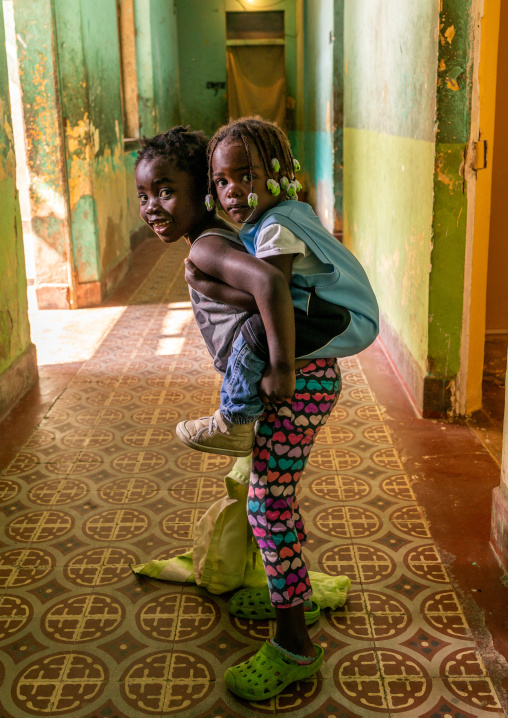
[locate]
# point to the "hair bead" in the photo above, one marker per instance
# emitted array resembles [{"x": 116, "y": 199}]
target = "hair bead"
[
  {"x": 291, "y": 190},
  {"x": 252, "y": 200},
  {"x": 273, "y": 186}
]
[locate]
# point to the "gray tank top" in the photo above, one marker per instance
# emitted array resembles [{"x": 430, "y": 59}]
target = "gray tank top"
[{"x": 219, "y": 323}]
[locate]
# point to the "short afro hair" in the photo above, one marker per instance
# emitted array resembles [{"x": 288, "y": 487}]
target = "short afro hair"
[{"x": 185, "y": 147}]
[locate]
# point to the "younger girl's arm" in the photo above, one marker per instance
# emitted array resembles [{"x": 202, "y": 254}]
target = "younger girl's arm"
[
  {"x": 270, "y": 289},
  {"x": 215, "y": 289}
]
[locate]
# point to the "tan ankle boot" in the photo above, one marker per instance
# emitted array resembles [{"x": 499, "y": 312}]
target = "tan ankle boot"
[{"x": 216, "y": 435}]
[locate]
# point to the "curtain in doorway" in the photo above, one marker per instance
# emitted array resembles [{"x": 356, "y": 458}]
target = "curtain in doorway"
[{"x": 257, "y": 82}]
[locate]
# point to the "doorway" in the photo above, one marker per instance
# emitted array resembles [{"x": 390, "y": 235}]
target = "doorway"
[
  {"x": 485, "y": 338},
  {"x": 256, "y": 67},
  {"x": 496, "y": 315}
]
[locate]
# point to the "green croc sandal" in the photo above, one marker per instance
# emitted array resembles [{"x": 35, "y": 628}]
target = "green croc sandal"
[
  {"x": 254, "y": 604},
  {"x": 268, "y": 672}
]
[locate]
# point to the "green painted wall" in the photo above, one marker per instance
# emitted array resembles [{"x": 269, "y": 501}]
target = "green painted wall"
[
  {"x": 157, "y": 60},
  {"x": 135, "y": 224},
  {"x": 318, "y": 73},
  {"x": 43, "y": 132},
  {"x": 91, "y": 106},
  {"x": 388, "y": 197},
  {"x": 83, "y": 198},
  {"x": 14, "y": 325},
  {"x": 202, "y": 57},
  {"x": 338, "y": 112},
  {"x": 158, "y": 85},
  {"x": 389, "y": 115},
  {"x": 450, "y": 204}
]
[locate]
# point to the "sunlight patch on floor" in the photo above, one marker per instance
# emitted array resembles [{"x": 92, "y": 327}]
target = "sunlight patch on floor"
[{"x": 63, "y": 336}]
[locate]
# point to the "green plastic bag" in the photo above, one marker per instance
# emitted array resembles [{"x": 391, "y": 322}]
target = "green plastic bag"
[{"x": 225, "y": 555}]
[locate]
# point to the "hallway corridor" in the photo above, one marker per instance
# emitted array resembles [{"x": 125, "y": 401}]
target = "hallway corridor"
[{"x": 398, "y": 504}]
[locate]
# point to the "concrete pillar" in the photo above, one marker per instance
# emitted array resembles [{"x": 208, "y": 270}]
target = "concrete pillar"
[
  {"x": 18, "y": 361},
  {"x": 499, "y": 532},
  {"x": 448, "y": 252}
]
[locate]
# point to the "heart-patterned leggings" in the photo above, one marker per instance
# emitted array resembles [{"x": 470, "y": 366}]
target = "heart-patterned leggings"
[{"x": 284, "y": 439}]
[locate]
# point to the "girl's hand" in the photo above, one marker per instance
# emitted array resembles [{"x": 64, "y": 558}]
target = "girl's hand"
[
  {"x": 277, "y": 384},
  {"x": 195, "y": 277}
]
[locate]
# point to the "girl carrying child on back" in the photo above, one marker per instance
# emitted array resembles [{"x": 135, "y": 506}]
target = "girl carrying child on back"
[{"x": 293, "y": 274}]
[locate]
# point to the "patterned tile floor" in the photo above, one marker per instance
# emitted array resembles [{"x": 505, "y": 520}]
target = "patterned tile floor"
[{"x": 102, "y": 484}]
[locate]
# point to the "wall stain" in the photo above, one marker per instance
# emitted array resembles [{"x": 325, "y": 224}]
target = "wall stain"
[
  {"x": 442, "y": 176},
  {"x": 6, "y": 330},
  {"x": 450, "y": 34},
  {"x": 7, "y": 158},
  {"x": 78, "y": 145}
]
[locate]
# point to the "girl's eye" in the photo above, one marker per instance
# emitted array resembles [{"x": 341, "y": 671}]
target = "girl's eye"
[
  {"x": 142, "y": 198},
  {"x": 246, "y": 178},
  {"x": 220, "y": 183},
  {"x": 165, "y": 193}
]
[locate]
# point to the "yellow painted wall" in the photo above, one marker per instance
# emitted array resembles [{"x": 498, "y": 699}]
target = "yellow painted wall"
[
  {"x": 497, "y": 296},
  {"x": 487, "y": 100}
]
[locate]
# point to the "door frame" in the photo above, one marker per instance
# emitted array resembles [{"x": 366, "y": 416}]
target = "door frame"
[{"x": 478, "y": 178}]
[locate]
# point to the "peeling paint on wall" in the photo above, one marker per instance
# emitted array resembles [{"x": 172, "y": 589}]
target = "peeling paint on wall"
[
  {"x": 7, "y": 159},
  {"x": 449, "y": 34},
  {"x": 446, "y": 285},
  {"x": 93, "y": 136},
  {"x": 45, "y": 159},
  {"x": 79, "y": 154}
]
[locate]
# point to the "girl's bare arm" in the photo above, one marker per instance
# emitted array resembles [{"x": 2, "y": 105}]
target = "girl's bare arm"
[
  {"x": 217, "y": 290},
  {"x": 268, "y": 283}
]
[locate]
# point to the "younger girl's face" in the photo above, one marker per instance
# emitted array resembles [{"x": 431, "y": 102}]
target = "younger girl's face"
[
  {"x": 231, "y": 177},
  {"x": 168, "y": 200}
]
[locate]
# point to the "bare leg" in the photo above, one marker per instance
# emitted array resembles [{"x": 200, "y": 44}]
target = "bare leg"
[{"x": 291, "y": 632}]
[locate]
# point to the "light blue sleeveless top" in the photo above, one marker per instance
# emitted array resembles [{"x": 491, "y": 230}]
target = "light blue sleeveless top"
[{"x": 345, "y": 282}]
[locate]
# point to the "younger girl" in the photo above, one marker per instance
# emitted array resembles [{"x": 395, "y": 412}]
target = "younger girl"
[{"x": 251, "y": 172}]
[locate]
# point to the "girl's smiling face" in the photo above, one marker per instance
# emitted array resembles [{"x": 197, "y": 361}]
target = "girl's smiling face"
[
  {"x": 168, "y": 200},
  {"x": 232, "y": 180}
]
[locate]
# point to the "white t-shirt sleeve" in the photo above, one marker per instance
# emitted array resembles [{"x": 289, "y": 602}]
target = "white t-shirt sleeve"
[{"x": 276, "y": 239}]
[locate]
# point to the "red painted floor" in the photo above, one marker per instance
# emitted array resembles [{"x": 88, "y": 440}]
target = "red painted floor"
[{"x": 93, "y": 481}]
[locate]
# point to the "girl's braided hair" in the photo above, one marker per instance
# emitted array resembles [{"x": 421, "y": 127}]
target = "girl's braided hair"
[
  {"x": 268, "y": 139},
  {"x": 181, "y": 145}
]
